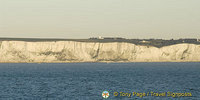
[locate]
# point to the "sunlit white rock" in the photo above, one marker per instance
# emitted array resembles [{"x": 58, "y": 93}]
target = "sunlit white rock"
[{"x": 71, "y": 51}]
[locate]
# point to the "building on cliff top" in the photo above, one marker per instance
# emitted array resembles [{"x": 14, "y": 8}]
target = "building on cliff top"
[{"x": 112, "y": 38}]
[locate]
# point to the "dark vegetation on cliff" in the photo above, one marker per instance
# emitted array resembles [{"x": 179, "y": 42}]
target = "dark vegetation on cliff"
[{"x": 147, "y": 42}]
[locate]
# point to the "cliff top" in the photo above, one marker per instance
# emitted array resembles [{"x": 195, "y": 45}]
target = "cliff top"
[{"x": 147, "y": 42}]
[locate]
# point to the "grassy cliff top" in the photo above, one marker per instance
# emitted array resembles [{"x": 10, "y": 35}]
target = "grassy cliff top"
[{"x": 147, "y": 42}]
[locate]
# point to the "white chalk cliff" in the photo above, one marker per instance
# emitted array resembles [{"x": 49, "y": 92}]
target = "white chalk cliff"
[{"x": 71, "y": 51}]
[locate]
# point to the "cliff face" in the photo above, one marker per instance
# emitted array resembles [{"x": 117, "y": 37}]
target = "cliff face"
[{"x": 71, "y": 51}]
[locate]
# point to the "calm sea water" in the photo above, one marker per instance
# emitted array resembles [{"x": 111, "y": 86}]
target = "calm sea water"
[{"x": 87, "y": 81}]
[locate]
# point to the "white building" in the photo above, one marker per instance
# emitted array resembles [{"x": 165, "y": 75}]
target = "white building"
[{"x": 100, "y": 37}]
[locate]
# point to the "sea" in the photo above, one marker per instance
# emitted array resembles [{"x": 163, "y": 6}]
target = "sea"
[{"x": 88, "y": 81}]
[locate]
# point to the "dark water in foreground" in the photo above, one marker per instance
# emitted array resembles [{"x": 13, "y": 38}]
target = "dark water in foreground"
[{"x": 87, "y": 81}]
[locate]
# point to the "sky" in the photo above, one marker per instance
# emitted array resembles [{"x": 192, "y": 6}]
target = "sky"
[{"x": 163, "y": 19}]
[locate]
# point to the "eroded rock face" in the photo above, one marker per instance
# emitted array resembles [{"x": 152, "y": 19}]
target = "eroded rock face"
[{"x": 71, "y": 51}]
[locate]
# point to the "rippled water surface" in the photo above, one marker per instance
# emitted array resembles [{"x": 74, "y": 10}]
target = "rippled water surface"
[{"x": 86, "y": 81}]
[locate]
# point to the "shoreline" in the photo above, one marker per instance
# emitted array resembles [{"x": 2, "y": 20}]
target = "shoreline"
[{"x": 108, "y": 62}]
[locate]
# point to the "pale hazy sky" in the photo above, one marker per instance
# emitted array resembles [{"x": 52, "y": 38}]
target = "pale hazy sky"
[{"x": 90, "y": 18}]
